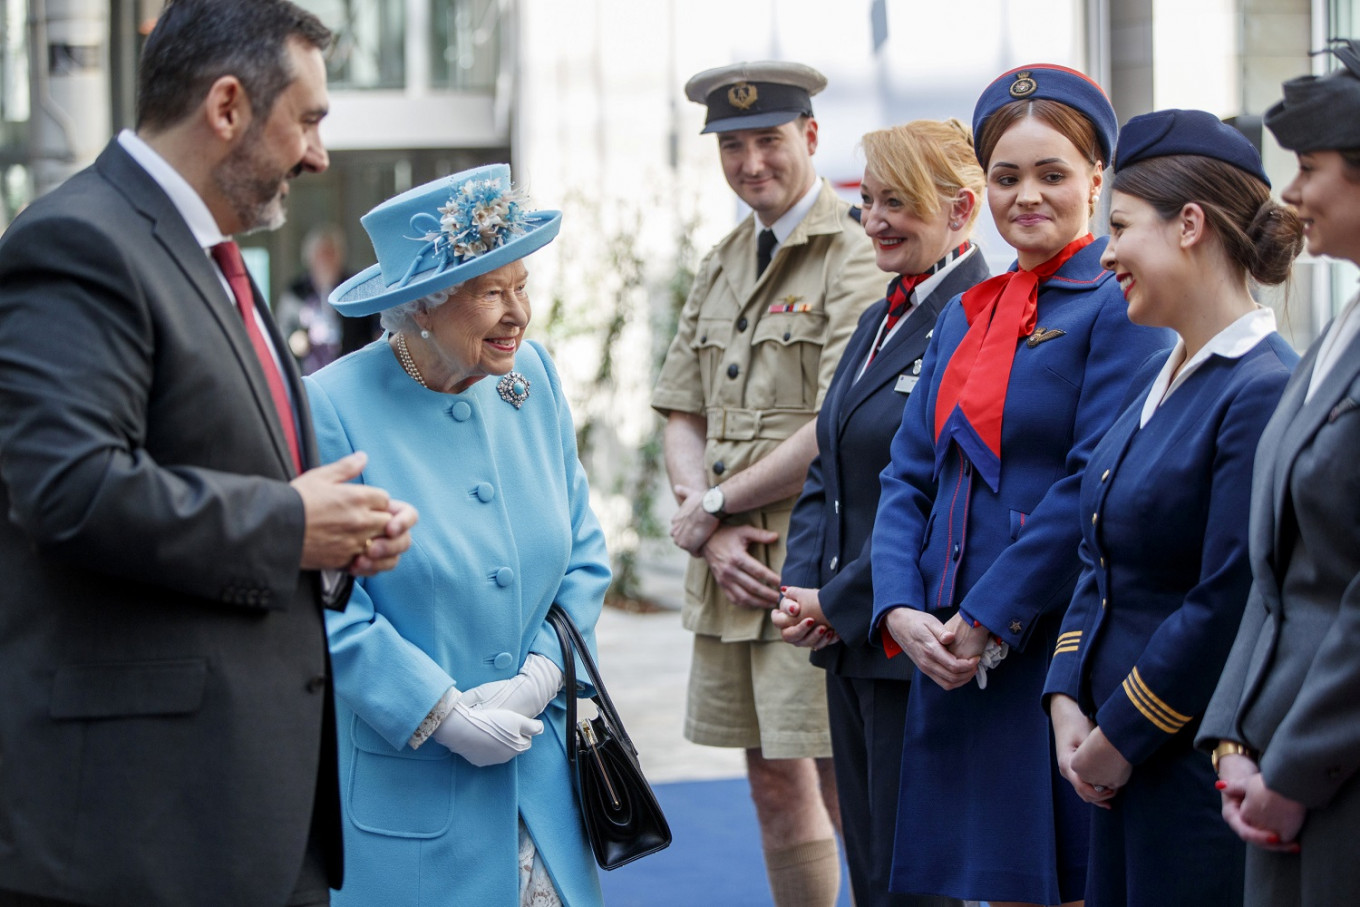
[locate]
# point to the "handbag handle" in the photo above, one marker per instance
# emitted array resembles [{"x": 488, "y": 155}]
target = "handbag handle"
[{"x": 569, "y": 637}]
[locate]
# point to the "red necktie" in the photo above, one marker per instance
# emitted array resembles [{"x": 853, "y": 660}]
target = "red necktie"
[{"x": 228, "y": 257}]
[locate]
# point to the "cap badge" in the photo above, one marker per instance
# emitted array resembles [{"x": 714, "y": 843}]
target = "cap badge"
[
  {"x": 742, "y": 95},
  {"x": 1023, "y": 86}
]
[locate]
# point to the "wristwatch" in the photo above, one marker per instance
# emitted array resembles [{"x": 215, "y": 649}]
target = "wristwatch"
[
  {"x": 713, "y": 501},
  {"x": 1228, "y": 748}
]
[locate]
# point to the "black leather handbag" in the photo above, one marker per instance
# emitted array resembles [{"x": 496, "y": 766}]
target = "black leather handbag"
[{"x": 623, "y": 820}]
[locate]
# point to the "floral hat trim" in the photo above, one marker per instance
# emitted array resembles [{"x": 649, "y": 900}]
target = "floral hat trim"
[{"x": 479, "y": 216}]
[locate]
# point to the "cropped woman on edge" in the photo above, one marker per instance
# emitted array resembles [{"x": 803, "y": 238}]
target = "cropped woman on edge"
[
  {"x": 1284, "y": 722},
  {"x": 975, "y": 544},
  {"x": 920, "y": 198},
  {"x": 1166, "y": 496}
]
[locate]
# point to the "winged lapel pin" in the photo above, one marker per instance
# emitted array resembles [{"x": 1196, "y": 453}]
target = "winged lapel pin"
[{"x": 1042, "y": 335}]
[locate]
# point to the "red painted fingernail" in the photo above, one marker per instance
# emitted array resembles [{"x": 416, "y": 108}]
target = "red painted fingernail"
[
  {"x": 783, "y": 588},
  {"x": 1221, "y": 785},
  {"x": 821, "y": 630},
  {"x": 1273, "y": 839}
]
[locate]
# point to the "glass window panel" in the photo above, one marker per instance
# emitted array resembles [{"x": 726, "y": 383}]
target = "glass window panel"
[
  {"x": 465, "y": 44},
  {"x": 370, "y": 42}
]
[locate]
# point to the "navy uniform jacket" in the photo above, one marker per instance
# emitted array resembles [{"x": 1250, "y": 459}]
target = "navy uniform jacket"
[
  {"x": 1164, "y": 548},
  {"x": 828, "y": 547},
  {"x": 1009, "y": 559}
]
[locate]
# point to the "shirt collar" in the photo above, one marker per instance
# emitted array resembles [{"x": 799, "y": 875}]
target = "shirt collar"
[
  {"x": 791, "y": 218},
  {"x": 187, "y": 202},
  {"x": 1233, "y": 342},
  {"x": 927, "y": 286}
]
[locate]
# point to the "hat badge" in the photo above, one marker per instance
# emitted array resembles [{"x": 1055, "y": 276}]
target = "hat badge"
[
  {"x": 1023, "y": 86},
  {"x": 742, "y": 95}
]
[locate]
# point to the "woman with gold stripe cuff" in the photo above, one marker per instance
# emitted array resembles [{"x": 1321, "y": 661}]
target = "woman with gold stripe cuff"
[{"x": 1164, "y": 504}]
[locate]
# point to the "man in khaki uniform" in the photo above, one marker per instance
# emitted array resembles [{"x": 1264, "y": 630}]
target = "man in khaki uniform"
[{"x": 759, "y": 338}]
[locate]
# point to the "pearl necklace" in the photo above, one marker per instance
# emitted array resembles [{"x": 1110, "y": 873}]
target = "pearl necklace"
[{"x": 407, "y": 363}]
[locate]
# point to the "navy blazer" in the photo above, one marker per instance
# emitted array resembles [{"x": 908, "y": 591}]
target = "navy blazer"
[
  {"x": 1010, "y": 557},
  {"x": 829, "y": 532},
  {"x": 1164, "y": 550}
]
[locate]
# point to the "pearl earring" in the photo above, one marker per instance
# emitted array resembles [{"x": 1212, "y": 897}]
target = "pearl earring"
[{"x": 424, "y": 335}]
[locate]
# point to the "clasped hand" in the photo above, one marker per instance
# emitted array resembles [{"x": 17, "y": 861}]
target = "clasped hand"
[
  {"x": 947, "y": 653},
  {"x": 527, "y": 693},
  {"x": 1086, "y": 758},
  {"x": 1258, "y": 815},
  {"x": 745, "y": 581},
  {"x": 800, "y": 619},
  {"x": 348, "y": 525},
  {"x": 691, "y": 525}
]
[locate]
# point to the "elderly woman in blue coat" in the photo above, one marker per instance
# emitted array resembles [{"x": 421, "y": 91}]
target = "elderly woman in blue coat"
[
  {"x": 448, "y": 681},
  {"x": 974, "y": 549},
  {"x": 1165, "y": 498}
]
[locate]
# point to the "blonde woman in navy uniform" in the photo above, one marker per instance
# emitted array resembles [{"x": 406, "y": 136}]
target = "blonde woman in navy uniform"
[
  {"x": 921, "y": 194},
  {"x": 974, "y": 549},
  {"x": 1284, "y": 722},
  {"x": 1164, "y": 503}
]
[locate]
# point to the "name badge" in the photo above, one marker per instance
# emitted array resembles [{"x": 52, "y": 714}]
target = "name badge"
[{"x": 905, "y": 383}]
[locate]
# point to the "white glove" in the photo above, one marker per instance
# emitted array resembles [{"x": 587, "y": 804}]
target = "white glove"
[
  {"x": 528, "y": 692},
  {"x": 990, "y": 660},
  {"x": 486, "y": 736}
]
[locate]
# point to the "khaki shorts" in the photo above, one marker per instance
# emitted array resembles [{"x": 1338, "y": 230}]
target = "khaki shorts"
[{"x": 757, "y": 695}]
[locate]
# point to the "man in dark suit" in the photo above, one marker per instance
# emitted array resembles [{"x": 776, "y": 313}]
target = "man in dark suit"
[{"x": 167, "y": 731}]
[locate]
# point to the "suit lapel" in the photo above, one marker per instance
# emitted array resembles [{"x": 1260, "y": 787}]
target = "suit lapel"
[
  {"x": 175, "y": 237},
  {"x": 1307, "y": 418},
  {"x": 848, "y": 389},
  {"x": 908, "y": 344}
]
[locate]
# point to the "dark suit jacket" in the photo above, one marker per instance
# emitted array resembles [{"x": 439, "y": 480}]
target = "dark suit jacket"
[
  {"x": 1291, "y": 687},
  {"x": 167, "y": 714},
  {"x": 829, "y": 532},
  {"x": 1164, "y": 571}
]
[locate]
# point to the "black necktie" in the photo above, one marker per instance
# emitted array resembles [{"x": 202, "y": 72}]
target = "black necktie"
[{"x": 764, "y": 249}]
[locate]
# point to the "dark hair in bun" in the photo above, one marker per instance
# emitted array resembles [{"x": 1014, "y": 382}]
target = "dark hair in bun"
[{"x": 1262, "y": 236}]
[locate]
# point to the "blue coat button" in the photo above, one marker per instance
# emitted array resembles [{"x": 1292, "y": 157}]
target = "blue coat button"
[
  {"x": 505, "y": 576},
  {"x": 461, "y": 411},
  {"x": 503, "y": 661},
  {"x": 485, "y": 492}
]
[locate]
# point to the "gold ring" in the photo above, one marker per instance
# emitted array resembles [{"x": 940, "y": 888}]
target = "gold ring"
[{"x": 368, "y": 546}]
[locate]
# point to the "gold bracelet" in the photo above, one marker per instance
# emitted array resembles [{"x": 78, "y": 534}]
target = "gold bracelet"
[{"x": 1228, "y": 748}]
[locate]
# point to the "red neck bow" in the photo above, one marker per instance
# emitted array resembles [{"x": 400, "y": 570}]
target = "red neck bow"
[{"x": 972, "y": 395}]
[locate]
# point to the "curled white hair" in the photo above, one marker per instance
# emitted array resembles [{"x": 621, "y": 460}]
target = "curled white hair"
[{"x": 401, "y": 318}]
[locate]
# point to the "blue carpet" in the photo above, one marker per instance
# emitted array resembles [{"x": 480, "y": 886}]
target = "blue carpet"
[{"x": 714, "y": 859}]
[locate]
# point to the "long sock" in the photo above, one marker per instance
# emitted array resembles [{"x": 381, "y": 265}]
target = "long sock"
[{"x": 805, "y": 875}]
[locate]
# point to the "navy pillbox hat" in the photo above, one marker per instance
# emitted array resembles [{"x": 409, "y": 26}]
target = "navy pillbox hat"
[
  {"x": 1050, "y": 82},
  {"x": 1321, "y": 113},
  {"x": 1165, "y": 132}
]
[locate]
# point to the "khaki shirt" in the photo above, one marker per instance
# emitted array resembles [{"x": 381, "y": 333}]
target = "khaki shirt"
[{"x": 755, "y": 359}]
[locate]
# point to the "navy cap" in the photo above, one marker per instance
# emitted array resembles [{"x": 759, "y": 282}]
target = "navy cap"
[
  {"x": 1321, "y": 112},
  {"x": 1050, "y": 82},
  {"x": 755, "y": 95},
  {"x": 1165, "y": 132}
]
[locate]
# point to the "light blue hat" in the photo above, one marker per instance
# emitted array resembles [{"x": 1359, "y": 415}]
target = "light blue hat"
[{"x": 443, "y": 233}]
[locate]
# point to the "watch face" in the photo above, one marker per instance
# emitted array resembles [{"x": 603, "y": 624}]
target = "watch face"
[{"x": 713, "y": 500}]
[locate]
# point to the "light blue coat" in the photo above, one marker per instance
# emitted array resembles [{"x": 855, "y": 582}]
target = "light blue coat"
[{"x": 505, "y": 530}]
